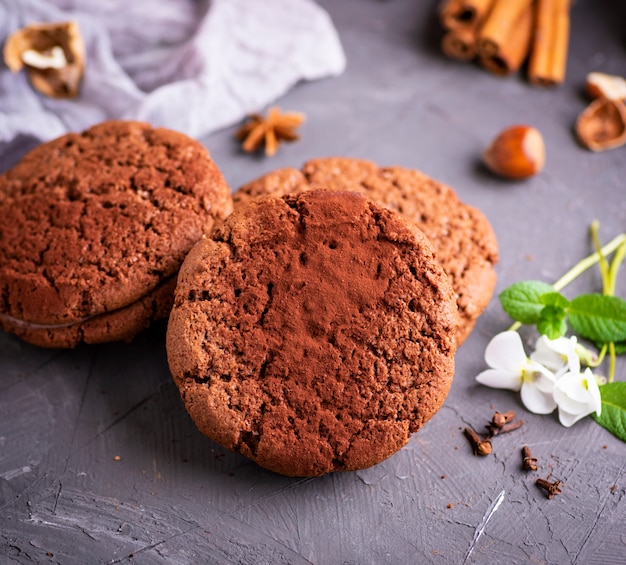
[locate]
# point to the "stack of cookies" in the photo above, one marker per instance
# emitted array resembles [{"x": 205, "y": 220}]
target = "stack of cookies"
[
  {"x": 95, "y": 227},
  {"x": 312, "y": 330}
]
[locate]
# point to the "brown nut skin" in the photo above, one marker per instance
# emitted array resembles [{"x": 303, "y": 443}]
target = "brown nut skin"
[
  {"x": 517, "y": 152},
  {"x": 602, "y": 124}
]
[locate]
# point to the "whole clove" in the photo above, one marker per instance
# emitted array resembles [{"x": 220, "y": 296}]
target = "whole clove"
[
  {"x": 509, "y": 427},
  {"x": 500, "y": 419},
  {"x": 479, "y": 445},
  {"x": 529, "y": 463},
  {"x": 551, "y": 489},
  {"x": 502, "y": 423}
]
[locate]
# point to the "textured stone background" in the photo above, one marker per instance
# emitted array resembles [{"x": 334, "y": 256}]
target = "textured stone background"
[{"x": 176, "y": 497}]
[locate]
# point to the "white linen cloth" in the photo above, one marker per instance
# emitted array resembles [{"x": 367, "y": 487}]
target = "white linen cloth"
[{"x": 190, "y": 65}]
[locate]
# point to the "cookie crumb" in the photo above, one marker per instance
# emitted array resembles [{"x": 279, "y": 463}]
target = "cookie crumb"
[
  {"x": 449, "y": 504},
  {"x": 117, "y": 458}
]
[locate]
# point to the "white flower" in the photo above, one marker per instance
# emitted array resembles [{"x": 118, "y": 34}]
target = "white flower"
[
  {"x": 577, "y": 395},
  {"x": 558, "y": 355},
  {"x": 511, "y": 368}
]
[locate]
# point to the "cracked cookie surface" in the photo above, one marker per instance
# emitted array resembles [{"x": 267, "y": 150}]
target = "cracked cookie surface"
[
  {"x": 100, "y": 224},
  {"x": 463, "y": 238},
  {"x": 314, "y": 332}
]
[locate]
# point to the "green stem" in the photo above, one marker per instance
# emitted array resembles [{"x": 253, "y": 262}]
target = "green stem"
[
  {"x": 598, "y": 360},
  {"x": 611, "y": 361},
  {"x": 588, "y": 262},
  {"x": 604, "y": 266},
  {"x": 608, "y": 285},
  {"x": 618, "y": 258}
]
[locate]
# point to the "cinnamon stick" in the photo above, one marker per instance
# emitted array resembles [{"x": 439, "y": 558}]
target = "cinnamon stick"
[
  {"x": 505, "y": 37},
  {"x": 460, "y": 43},
  {"x": 450, "y": 14},
  {"x": 456, "y": 14},
  {"x": 549, "y": 50}
]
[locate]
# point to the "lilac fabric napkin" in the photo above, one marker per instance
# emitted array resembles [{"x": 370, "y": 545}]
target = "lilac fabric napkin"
[{"x": 190, "y": 65}]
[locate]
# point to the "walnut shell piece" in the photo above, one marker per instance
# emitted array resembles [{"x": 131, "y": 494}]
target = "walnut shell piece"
[
  {"x": 602, "y": 124},
  {"x": 609, "y": 86},
  {"x": 52, "y": 54}
]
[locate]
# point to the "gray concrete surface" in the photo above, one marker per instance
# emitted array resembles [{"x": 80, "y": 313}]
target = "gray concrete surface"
[{"x": 176, "y": 497}]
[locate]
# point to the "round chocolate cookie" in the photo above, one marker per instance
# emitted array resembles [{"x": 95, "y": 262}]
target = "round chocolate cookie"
[
  {"x": 463, "y": 238},
  {"x": 95, "y": 227},
  {"x": 313, "y": 332}
]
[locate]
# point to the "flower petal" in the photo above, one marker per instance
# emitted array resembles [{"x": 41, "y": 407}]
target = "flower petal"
[
  {"x": 506, "y": 351},
  {"x": 536, "y": 401},
  {"x": 594, "y": 392},
  {"x": 573, "y": 361},
  {"x": 568, "y": 419},
  {"x": 496, "y": 378},
  {"x": 577, "y": 395},
  {"x": 571, "y": 386},
  {"x": 552, "y": 353},
  {"x": 567, "y": 404},
  {"x": 560, "y": 345},
  {"x": 544, "y": 381}
]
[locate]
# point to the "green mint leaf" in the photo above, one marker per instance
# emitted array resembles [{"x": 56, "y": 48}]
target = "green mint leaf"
[
  {"x": 554, "y": 299},
  {"x": 552, "y": 317},
  {"x": 522, "y": 301},
  {"x": 613, "y": 416},
  {"x": 552, "y": 322},
  {"x": 598, "y": 317}
]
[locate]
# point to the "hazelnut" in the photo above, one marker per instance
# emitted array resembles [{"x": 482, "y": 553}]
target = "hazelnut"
[{"x": 517, "y": 152}]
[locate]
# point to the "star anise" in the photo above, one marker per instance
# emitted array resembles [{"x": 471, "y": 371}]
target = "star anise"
[{"x": 271, "y": 130}]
